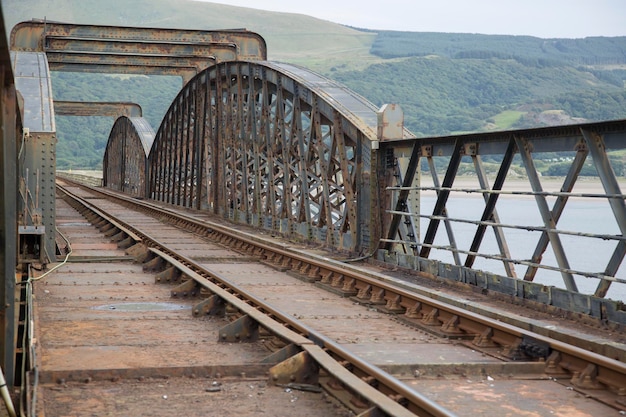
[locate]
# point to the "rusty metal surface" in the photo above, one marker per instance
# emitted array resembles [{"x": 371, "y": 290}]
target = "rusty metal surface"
[
  {"x": 91, "y": 48},
  {"x": 111, "y": 341},
  {"x": 491, "y": 395},
  {"x": 83, "y": 108},
  {"x": 192, "y": 397},
  {"x": 11, "y": 122},
  {"x": 391, "y": 344},
  {"x": 110, "y": 316},
  {"x": 32, "y": 34},
  {"x": 125, "y": 156},
  {"x": 32, "y": 80},
  {"x": 298, "y": 164},
  {"x": 520, "y": 252}
]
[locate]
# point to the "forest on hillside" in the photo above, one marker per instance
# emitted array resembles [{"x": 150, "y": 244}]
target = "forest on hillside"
[
  {"x": 445, "y": 83},
  {"x": 528, "y": 50}
]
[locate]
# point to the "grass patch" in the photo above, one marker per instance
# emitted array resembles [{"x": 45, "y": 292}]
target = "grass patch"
[{"x": 507, "y": 118}]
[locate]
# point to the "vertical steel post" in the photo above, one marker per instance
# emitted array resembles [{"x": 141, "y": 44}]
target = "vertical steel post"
[
  {"x": 8, "y": 216},
  {"x": 442, "y": 197},
  {"x": 444, "y": 213},
  {"x": 401, "y": 202}
]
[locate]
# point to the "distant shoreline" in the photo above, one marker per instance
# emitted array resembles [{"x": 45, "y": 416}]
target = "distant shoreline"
[{"x": 583, "y": 185}]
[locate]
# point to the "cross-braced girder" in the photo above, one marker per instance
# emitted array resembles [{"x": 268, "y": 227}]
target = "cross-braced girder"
[
  {"x": 266, "y": 144},
  {"x": 124, "y": 163},
  {"x": 535, "y": 240}
]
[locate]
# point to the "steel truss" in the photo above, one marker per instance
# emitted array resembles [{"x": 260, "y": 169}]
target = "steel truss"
[
  {"x": 588, "y": 144},
  {"x": 124, "y": 163},
  {"x": 270, "y": 145}
]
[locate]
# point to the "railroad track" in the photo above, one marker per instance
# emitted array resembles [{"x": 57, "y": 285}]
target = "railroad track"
[{"x": 377, "y": 344}]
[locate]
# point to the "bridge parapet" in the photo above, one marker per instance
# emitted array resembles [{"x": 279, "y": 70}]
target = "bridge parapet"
[{"x": 567, "y": 232}]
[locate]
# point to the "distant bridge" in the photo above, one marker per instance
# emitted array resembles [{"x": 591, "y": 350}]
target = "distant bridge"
[{"x": 279, "y": 148}]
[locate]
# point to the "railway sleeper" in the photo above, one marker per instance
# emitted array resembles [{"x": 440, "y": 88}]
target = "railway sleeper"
[
  {"x": 274, "y": 344},
  {"x": 126, "y": 243},
  {"x": 299, "y": 368},
  {"x": 337, "y": 283},
  {"x": 281, "y": 351},
  {"x": 106, "y": 227},
  {"x": 305, "y": 273}
]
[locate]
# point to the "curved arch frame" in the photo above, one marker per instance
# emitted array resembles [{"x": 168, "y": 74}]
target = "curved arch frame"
[
  {"x": 125, "y": 156},
  {"x": 270, "y": 145}
]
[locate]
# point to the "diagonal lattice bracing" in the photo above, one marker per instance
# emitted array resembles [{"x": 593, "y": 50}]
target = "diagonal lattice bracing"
[
  {"x": 567, "y": 232},
  {"x": 266, "y": 144}
]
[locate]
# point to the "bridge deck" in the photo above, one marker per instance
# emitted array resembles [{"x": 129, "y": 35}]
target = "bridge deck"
[{"x": 111, "y": 341}]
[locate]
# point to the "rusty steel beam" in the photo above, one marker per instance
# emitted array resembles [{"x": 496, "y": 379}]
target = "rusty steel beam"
[
  {"x": 554, "y": 244},
  {"x": 271, "y": 145},
  {"x": 90, "y": 108},
  {"x": 184, "y": 66},
  {"x": 33, "y": 35},
  {"x": 217, "y": 51},
  {"x": 525, "y": 151},
  {"x": 92, "y": 48},
  {"x": 125, "y": 156}
]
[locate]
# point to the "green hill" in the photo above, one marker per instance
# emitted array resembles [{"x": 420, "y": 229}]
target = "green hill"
[
  {"x": 290, "y": 37},
  {"x": 445, "y": 82}
]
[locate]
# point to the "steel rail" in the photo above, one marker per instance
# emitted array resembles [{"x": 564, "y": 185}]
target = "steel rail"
[
  {"x": 585, "y": 368},
  {"x": 387, "y": 393},
  {"x": 285, "y": 326}
]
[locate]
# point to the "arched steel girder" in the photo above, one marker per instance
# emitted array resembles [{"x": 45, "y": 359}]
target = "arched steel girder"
[
  {"x": 271, "y": 145},
  {"x": 126, "y": 153}
]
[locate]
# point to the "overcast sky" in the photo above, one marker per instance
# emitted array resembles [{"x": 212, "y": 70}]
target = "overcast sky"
[{"x": 541, "y": 18}]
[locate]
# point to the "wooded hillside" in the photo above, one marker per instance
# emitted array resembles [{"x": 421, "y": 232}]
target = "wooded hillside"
[{"x": 446, "y": 83}]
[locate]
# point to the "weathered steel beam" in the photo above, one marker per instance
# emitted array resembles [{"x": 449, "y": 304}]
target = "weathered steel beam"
[
  {"x": 404, "y": 194},
  {"x": 557, "y": 210},
  {"x": 442, "y": 196},
  {"x": 184, "y": 66},
  {"x": 211, "y": 50},
  {"x": 124, "y": 50},
  {"x": 280, "y": 147},
  {"x": 126, "y": 153},
  {"x": 36, "y": 35},
  {"x": 444, "y": 214},
  {"x": 90, "y": 108},
  {"x": 11, "y": 122}
]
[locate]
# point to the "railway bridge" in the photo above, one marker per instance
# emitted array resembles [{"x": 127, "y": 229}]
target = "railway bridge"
[{"x": 289, "y": 153}]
